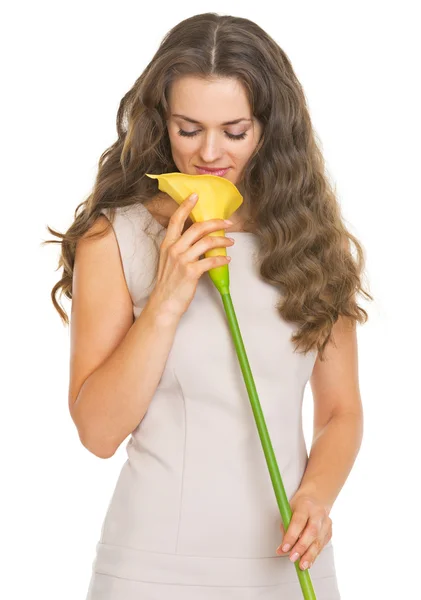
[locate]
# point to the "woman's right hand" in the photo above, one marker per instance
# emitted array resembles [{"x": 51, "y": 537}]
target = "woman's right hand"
[{"x": 179, "y": 266}]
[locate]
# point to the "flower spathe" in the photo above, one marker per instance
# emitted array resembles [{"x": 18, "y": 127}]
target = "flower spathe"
[{"x": 218, "y": 199}]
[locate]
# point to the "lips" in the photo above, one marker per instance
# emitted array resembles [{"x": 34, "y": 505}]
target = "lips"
[{"x": 218, "y": 172}]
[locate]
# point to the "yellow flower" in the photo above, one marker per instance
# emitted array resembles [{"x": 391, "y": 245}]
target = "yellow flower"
[{"x": 218, "y": 199}]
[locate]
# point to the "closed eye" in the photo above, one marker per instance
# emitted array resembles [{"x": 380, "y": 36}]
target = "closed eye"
[{"x": 241, "y": 136}]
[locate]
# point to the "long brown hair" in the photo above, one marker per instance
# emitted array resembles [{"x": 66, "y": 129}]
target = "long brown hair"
[{"x": 305, "y": 247}]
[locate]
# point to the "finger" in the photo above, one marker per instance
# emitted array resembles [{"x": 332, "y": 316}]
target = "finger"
[
  {"x": 295, "y": 529},
  {"x": 312, "y": 534},
  {"x": 207, "y": 243},
  {"x": 198, "y": 231},
  {"x": 308, "y": 558},
  {"x": 178, "y": 219},
  {"x": 211, "y": 262},
  {"x": 279, "y": 550}
]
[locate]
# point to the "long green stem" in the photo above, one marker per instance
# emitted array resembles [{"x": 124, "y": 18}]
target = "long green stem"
[{"x": 278, "y": 486}]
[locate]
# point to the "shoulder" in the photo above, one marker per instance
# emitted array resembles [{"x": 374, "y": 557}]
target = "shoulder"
[{"x": 138, "y": 237}]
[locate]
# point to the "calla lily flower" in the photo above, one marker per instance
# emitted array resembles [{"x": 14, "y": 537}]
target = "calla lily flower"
[{"x": 218, "y": 199}]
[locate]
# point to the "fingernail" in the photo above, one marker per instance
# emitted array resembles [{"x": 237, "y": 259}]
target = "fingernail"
[
  {"x": 228, "y": 222},
  {"x": 294, "y": 557},
  {"x": 286, "y": 547},
  {"x": 194, "y": 196},
  {"x": 304, "y": 565}
]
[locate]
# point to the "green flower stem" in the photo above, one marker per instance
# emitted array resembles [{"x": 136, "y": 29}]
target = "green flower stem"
[{"x": 278, "y": 486}]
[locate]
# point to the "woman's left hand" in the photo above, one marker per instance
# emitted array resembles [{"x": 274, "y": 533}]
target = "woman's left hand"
[{"x": 310, "y": 529}]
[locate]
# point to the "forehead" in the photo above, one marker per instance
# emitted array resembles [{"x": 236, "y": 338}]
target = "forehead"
[{"x": 209, "y": 101}]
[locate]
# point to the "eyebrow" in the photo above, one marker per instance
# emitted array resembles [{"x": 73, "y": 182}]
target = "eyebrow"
[{"x": 199, "y": 123}]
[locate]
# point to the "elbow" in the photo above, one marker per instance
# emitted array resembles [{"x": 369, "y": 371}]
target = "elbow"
[
  {"x": 98, "y": 447},
  {"x": 96, "y": 444}
]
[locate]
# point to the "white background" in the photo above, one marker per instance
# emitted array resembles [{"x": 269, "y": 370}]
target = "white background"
[{"x": 65, "y": 67}]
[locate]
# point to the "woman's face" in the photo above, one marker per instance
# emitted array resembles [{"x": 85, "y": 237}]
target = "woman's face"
[{"x": 207, "y": 142}]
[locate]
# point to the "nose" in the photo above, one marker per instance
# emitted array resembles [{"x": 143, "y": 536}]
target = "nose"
[{"x": 210, "y": 151}]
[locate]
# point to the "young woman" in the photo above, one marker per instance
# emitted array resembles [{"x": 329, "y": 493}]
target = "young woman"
[{"x": 193, "y": 514}]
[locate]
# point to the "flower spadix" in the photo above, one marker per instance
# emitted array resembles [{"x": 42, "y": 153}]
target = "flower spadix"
[{"x": 218, "y": 199}]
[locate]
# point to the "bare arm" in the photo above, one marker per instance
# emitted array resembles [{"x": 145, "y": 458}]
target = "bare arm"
[{"x": 115, "y": 397}]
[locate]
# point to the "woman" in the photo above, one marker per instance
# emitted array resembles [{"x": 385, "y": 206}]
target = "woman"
[{"x": 193, "y": 514}]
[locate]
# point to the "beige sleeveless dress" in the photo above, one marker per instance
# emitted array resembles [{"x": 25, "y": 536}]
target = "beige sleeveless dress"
[{"x": 193, "y": 515}]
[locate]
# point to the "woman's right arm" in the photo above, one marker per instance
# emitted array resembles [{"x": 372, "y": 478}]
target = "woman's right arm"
[{"x": 116, "y": 364}]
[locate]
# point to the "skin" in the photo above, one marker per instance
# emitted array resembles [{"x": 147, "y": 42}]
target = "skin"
[{"x": 211, "y": 102}]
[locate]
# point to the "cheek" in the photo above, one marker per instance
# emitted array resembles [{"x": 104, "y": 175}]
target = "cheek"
[
  {"x": 243, "y": 154},
  {"x": 181, "y": 146}
]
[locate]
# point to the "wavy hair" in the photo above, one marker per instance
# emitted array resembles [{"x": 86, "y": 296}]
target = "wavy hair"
[{"x": 305, "y": 247}]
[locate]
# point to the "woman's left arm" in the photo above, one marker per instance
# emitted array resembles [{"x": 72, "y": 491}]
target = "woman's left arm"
[{"x": 337, "y": 437}]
